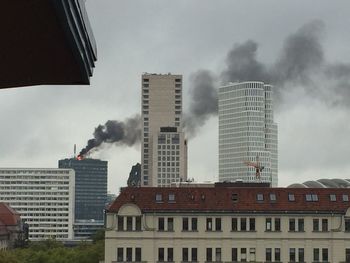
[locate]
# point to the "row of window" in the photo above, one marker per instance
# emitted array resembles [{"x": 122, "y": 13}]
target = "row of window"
[
  {"x": 237, "y": 254},
  {"x": 130, "y": 223}
]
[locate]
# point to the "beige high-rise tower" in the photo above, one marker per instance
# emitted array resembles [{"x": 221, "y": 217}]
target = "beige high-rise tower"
[{"x": 164, "y": 147}]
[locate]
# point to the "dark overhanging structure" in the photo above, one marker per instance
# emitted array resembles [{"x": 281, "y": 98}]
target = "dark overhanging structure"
[{"x": 45, "y": 42}]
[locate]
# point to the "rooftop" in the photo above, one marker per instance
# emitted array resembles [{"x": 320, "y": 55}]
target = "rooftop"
[{"x": 235, "y": 199}]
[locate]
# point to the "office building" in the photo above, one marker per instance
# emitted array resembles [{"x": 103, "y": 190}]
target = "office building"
[
  {"x": 164, "y": 147},
  {"x": 43, "y": 197},
  {"x": 247, "y": 133},
  {"x": 90, "y": 187},
  {"x": 226, "y": 223}
]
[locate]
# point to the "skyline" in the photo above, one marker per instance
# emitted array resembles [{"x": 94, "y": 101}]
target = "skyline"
[{"x": 41, "y": 125}]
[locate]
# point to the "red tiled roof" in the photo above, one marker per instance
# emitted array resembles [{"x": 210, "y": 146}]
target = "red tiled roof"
[
  {"x": 219, "y": 199},
  {"x": 7, "y": 215}
]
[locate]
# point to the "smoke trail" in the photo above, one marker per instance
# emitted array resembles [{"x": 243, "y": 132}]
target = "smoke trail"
[
  {"x": 203, "y": 101},
  {"x": 301, "y": 63},
  {"x": 127, "y": 133}
]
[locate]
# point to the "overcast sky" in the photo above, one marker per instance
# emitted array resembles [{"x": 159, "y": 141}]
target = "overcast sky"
[{"x": 40, "y": 125}]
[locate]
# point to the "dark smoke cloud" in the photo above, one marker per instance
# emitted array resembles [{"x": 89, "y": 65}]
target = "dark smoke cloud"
[
  {"x": 203, "y": 100},
  {"x": 124, "y": 133},
  {"x": 301, "y": 63},
  {"x": 242, "y": 64}
]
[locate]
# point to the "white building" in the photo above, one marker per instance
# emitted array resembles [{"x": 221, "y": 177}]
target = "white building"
[
  {"x": 164, "y": 148},
  {"x": 247, "y": 132},
  {"x": 229, "y": 224},
  {"x": 43, "y": 197}
]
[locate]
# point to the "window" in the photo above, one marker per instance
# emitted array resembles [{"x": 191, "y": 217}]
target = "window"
[
  {"x": 218, "y": 254},
  {"x": 138, "y": 254},
  {"x": 291, "y": 224},
  {"x": 194, "y": 254},
  {"x": 268, "y": 255},
  {"x": 185, "y": 254},
  {"x": 161, "y": 224},
  {"x": 345, "y": 198},
  {"x": 234, "y": 254},
  {"x": 347, "y": 224},
  {"x": 325, "y": 254},
  {"x": 273, "y": 197},
  {"x": 332, "y": 197},
  {"x": 243, "y": 255},
  {"x": 194, "y": 223},
  {"x": 260, "y": 197},
  {"x": 120, "y": 254},
  {"x": 128, "y": 254},
  {"x": 314, "y": 197},
  {"x": 277, "y": 254},
  {"x": 170, "y": 224},
  {"x": 138, "y": 223},
  {"x": 170, "y": 254},
  {"x": 234, "y": 197},
  {"x": 159, "y": 198},
  {"x": 291, "y": 197},
  {"x": 129, "y": 223},
  {"x": 234, "y": 225},
  {"x": 308, "y": 197},
  {"x": 252, "y": 254},
  {"x": 209, "y": 224},
  {"x": 251, "y": 224},
  {"x": 185, "y": 224},
  {"x": 120, "y": 223},
  {"x": 171, "y": 197},
  {"x": 243, "y": 224},
  {"x": 316, "y": 255},
  {"x": 268, "y": 224},
  {"x": 292, "y": 255},
  {"x": 209, "y": 255},
  {"x": 300, "y": 224},
  {"x": 161, "y": 254},
  {"x": 301, "y": 255},
  {"x": 325, "y": 225},
  {"x": 277, "y": 224},
  {"x": 217, "y": 224},
  {"x": 347, "y": 255}
]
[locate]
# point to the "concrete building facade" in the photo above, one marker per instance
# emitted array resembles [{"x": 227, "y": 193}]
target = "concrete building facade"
[
  {"x": 43, "y": 197},
  {"x": 164, "y": 147},
  {"x": 229, "y": 224},
  {"x": 247, "y": 132}
]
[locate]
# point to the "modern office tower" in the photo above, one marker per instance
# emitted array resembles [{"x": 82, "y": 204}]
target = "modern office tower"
[
  {"x": 247, "y": 133},
  {"x": 90, "y": 194},
  {"x": 43, "y": 197},
  {"x": 164, "y": 147},
  {"x": 90, "y": 186}
]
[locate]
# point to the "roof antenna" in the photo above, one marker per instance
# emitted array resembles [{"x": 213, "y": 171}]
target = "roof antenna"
[{"x": 75, "y": 151}]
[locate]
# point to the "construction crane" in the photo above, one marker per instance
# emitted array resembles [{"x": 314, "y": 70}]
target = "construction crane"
[{"x": 258, "y": 167}]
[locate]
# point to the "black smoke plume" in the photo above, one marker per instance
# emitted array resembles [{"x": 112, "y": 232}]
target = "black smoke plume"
[
  {"x": 301, "y": 63},
  {"x": 124, "y": 133}
]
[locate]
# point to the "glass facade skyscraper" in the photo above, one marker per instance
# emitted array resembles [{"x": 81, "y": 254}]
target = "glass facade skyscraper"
[
  {"x": 247, "y": 132},
  {"x": 90, "y": 187}
]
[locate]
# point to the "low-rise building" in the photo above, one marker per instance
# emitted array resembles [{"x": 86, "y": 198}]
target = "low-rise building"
[
  {"x": 43, "y": 197},
  {"x": 12, "y": 231},
  {"x": 226, "y": 223}
]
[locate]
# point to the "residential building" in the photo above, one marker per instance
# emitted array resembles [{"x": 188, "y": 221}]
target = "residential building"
[
  {"x": 164, "y": 147},
  {"x": 43, "y": 197},
  {"x": 90, "y": 190},
  {"x": 226, "y": 223},
  {"x": 12, "y": 230},
  {"x": 247, "y": 133}
]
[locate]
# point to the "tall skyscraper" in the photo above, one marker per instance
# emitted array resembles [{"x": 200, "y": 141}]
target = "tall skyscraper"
[
  {"x": 164, "y": 147},
  {"x": 90, "y": 187},
  {"x": 247, "y": 132}
]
